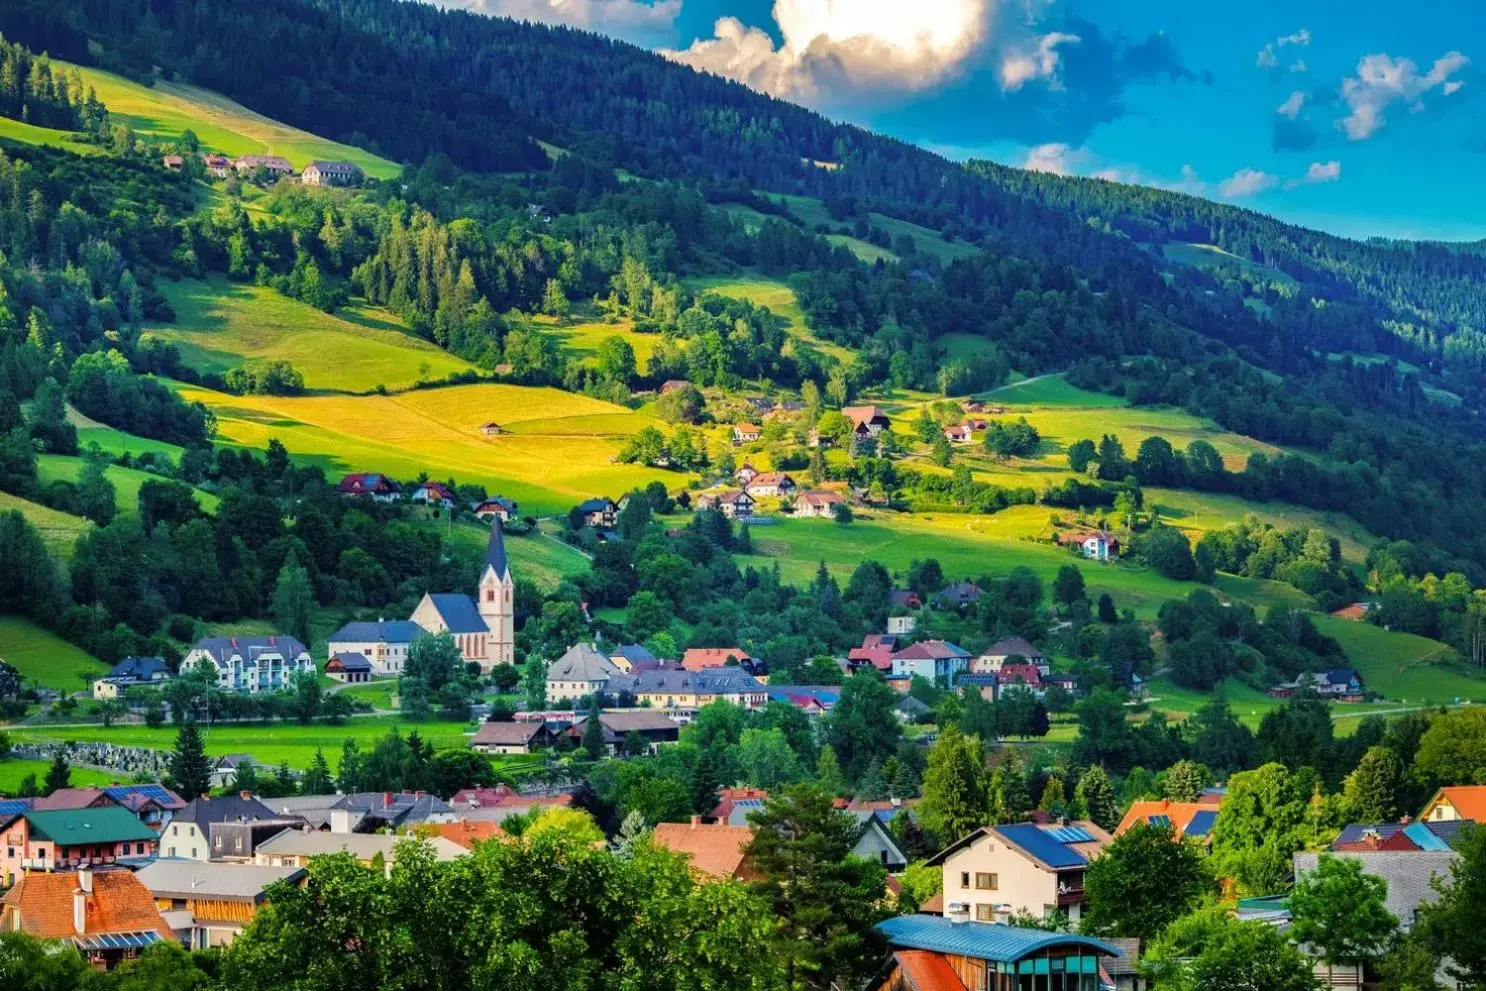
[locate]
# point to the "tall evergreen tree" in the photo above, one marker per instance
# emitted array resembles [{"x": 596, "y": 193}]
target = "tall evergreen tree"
[
  {"x": 59, "y": 775},
  {"x": 190, "y": 769},
  {"x": 317, "y": 780}
]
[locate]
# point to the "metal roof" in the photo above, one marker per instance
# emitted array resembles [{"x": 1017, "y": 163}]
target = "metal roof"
[
  {"x": 116, "y": 941},
  {"x": 192, "y": 879},
  {"x": 495, "y": 550},
  {"x": 981, "y": 940},
  {"x": 110, "y": 824},
  {"x": 459, "y": 612},
  {"x": 381, "y": 631}
]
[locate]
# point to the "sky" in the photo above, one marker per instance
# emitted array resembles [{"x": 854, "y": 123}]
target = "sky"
[{"x": 1358, "y": 117}]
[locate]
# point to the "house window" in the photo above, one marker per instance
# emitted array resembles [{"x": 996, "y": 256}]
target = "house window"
[
  {"x": 986, "y": 882},
  {"x": 985, "y": 913},
  {"x": 964, "y": 879}
]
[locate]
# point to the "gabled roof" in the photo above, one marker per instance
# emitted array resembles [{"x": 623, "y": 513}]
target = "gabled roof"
[
  {"x": 229, "y": 882},
  {"x": 362, "y": 846},
  {"x": 134, "y": 796},
  {"x": 140, "y": 668},
  {"x": 380, "y": 631},
  {"x": 66, "y": 799},
  {"x": 495, "y": 551},
  {"x": 633, "y": 652},
  {"x": 118, "y": 903},
  {"x": 1027, "y": 674},
  {"x": 860, "y": 415},
  {"x": 582, "y": 662},
  {"x": 698, "y": 658},
  {"x": 348, "y": 661},
  {"x": 71, "y": 827},
  {"x": 599, "y": 505},
  {"x": 1408, "y": 875},
  {"x": 1469, "y": 800},
  {"x": 1193, "y": 819},
  {"x": 714, "y": 849},
  {"x": 459, "y": 612},
  {"x": 465, "y": 833},
  {"x": 1052, "y": 846},
  {"x": 1007, "y": 646},
  {"x": 221, "y": 649},
  {"x": 511, "y": 734},
  {"x": 335, "y": 167},
  {"x": 981, "y": 940},
  {"x": 932, "y": 650},
  {"x": 228, "y": 808}
]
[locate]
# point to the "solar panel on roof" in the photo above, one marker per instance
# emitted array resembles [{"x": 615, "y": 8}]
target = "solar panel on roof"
[
  {"x": 11, "y": 806},
  {"x": 1043, "y": 844},
  {"x": 1070, "y": 834},
  {"x": 1164, "y": 821},
  {"x": 1202, "y": 822}
]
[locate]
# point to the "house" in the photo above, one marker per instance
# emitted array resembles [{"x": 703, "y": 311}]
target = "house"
[
  {"x": 958, "y": 595},
  {"x": 152, "y": 804},
  {"x": 997, "y": 654},
  {"x": 108, "y": 916},
  {"x": 972, "y": 405},
  {"x": 1410, "y": 876},
  {"x": 816, "y": 439},
  {"x": 217, "y": 166},
  {"x": 1067, "y": 682},
  {"x": 465, "y": 832},
  {"x": 876, "y": 843},
  {"x": 582, "y": 671},
  {"x": 818, "y": 504},
  {"x": 866, "y": 421},
  {"x": 771, "y": 483},
  {"x": 700, "y": 658},
  {"x": 1338, "y": 684},
  {"x": 207, "y": 905},
  {"x": 348, "y": 668},
  {"x": 734, "y": 805},
  {"x": 683, "y": 689},
  {"x": 958, "y": 434},
  {"x": 671, "y": 385},
  {"x": 735, "y": 504},
  {"x": 904, "y": 598},
  {"x": 950, "y": 953},
  {"x": 189, "y": 835},
  {"x": 746, "y": 433},
  {"x": 974, "y": 423},
  {"x": 495, "y": 506},
  {"x": 381, "y": 811},
  {"x": 715, "y": 851},
  {"x": 384, "y": 643},
  {"x": 1096, "y": 545},
  {"x": 910, "y": 710},
  {"x": 940, "y": 661},
  {"x": 485, "y": 630},
  {"x": 654, "y": 728},
  {"x": 1356, "y": 612},
  {"x": 64, "y": 839},
  {"x": 598, "y": 513},
  {"x": 251, "y": 664},
  {"x": 322, "y": 173},
  {"x": 469, "y": 800},
  {"x": 627, "y": 656},
  {"x": 876, "y": 650},
  {"x": 173, "y": 162},
  {"x": 369, "y": 484},
  {"x": 129, "y": 672},
  {"x": 987, "y": 685},
  {"x": 491, "y": 429},
  {"x": 224, "y": 772},
  {"x": 1186, "y": 820},
  {"x": 1401, "y": 837},
  {"x": 1028, "y": 867},
  {"x": 275, "y": 165},
  {"x": 294, "y": 848},
  {"x": 1020, "y": 674},
  {"x": 813, "y": 700},
  {"x": 524, "y": 737},
  {"x": 745, "y": 474},
  {"x": 434, "y": 494},
  {"x": 1456, "y": 802}
]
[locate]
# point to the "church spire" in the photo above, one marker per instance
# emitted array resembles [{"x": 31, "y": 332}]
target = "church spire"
[{"x": 495, "y": 551}]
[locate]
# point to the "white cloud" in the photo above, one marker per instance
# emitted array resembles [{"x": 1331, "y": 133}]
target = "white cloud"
[
  {"x": 1291, "y": 108},
  {"x": 1299, "y": 65},
  {"x": 1057, "y": 158},
  {"x": 642, "y": 21},
  {"x": 1383, "y": 81},
  {"x": 1269, "y": 58},
  {"x": 1301, "y": 37},
  {"x": 849, "y": 48},
  {"x": 1319, "y": 172},
  {"x": 1247, "y": 182}
]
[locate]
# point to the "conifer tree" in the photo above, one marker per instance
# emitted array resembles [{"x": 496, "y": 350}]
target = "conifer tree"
[{"x": 190, "y": 768}]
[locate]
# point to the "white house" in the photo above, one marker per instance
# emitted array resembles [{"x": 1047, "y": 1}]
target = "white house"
[
  {"x": 999, "y": 871},
  {"x": 251, "y": 664},
  {"x": 818, "y": 504},
  {"x": 384, "y": 643},
  {"x": 583, "y": 670},
  {"x": 1096, "y": 545}
]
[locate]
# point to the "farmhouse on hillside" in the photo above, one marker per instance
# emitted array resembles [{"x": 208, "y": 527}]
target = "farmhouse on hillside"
[
  {"x": 492, "y": 429},
  {"x": 735, "y": 504},
  {"x": 771, "y": 483},
  {"x": 746, "y": 433},
  {"x": 275, "y": 165},
  {"x": 598, "y": 513},
  {"x": 1096, "y": 545},
  {"x": 866, "y": 421},
  {"x": 323, "y": 173},
  {"x": 816, "y": 504},
  {"x": 369, "y": 484},
  {"x": 433, "y": 494},
  {"x": 495, "y": 507}
]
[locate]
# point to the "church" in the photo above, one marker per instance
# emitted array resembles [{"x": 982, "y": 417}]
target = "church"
[{"x": 484, "y": 629}]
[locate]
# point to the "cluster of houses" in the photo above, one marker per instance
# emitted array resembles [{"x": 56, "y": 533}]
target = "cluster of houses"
[
  {"x": 316, "y": 173},
  {"x": 741, "y": 502},
  {"x": 1010, "y": 661},
  {"x": 384, "y": 488}
]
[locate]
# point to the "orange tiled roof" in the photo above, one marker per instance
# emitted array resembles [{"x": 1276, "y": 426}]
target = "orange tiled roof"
[
  {"x": 1180, "y": 814},
  {"x": 466, "y": 832},
  {"x": 119, "y": 903},
  {"x": 1469, "y": 800},
  {"x": 713, "y": 848},
  {"x": 927, "y": 971},
  {"x": 698, "y": 658}
]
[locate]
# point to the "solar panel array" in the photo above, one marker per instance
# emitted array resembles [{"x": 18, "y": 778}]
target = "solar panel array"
[
  {"x": 12, "y": 806},
  {"x": 153, "y": 792},
  {"x": 1047, "y": 845},
  {"x": 1164, "y": 821},
  {"x": 1202, "y": 822},
  {"x": 1070, "y": 834}
]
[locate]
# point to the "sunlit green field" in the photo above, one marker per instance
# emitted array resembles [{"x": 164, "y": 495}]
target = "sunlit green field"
[
  {"x": 45, "y": 658},
  {"x": 1403, "y": 666},
  {"x": 126, "y": 481},
  {"x": 13, "y": 772},
  {"x": 20, "y": 133},
  {"x": 775, "y": 296},
  {"x": 58, "y": 530}
]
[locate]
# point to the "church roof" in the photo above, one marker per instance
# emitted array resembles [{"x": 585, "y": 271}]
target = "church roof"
[
  {"x": 459, "y": 612},
  {"x": 495, "y": 551}
]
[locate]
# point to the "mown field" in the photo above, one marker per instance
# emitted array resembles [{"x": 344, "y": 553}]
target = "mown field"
[
  {"x": 220, "y": 325},
  {"x": 16, "y": 132},
  {"x": 58, "y": 530},
  {"x": 166, "y": 109},
  {"x": 539, "y": 558},
  {"x": 13, "y": 772},
  {"x": 582, "y": 336},
  {"x": 557, "y": 448},
  {"x": 775, "y": 296},
  {"x": 45, "y": 658},
  {"x": 812, "y": 213},
  {"x": 126, "y": 481}
]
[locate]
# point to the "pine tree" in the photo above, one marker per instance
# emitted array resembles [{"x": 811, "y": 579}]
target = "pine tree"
[
  {"x": 317, "y": 780},
  {"x": 905, "y": 781},
  {"x": 1052, "y": 795},
  {"x": 1097, "y": 797},
  {"x": 1185, "y": 781},
  {"x": 705, "y": 781},
  {"x": 190, "y": 769},
  {"x": 352, "y": 773},
  {"x": 593, "y": 734},
  {"x": 293, "y": 601},
  {"x": 59, "y": 775},
  {"x": 828, "y": 771},
  {"x": 245, "y": 778},
  {"x": 956, "y": 787},
  {"x": 873, "y": 786}
]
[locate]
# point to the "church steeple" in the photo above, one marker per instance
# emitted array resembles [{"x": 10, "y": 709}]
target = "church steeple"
[
  {"x": 495, "y": 552},
  {"x": 496, "y": 599}
]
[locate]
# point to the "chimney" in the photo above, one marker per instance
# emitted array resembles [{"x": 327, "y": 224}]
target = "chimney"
[
  {"x": 245, "y": 795},
  {"x": 1405, "y": 820},
  {"x": 340, "y": 821},
  {"x": 85, "y": 880},
  {"x": 696, "y": 821},
  {"x": 386, "y": 799}
]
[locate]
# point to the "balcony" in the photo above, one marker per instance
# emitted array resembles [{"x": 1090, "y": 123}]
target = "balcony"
[{"x": 1070, "y": 890}]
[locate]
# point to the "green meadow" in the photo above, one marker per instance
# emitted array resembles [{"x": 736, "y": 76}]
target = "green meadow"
[
  {"x": 126, "y": 481},
  {"x": 45, "y": 658}
]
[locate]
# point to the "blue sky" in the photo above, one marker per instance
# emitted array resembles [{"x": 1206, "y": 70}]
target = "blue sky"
[{"x": 1361, "y": 118}]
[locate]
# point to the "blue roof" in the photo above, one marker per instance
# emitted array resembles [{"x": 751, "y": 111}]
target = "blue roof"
[
  {"x": 1424, "y": 837},
  {"x": 1043, "y": 845},
  {"x": 381, "y": 631},
  {"x": 981, "y": 940},
  {"x": 633, "y": 652},
  {"x": 153, "y": 792},
  {"x": 139, "y": 668},
  {"x": 1202, "y": 822},
  {"x": 495, "y": 550},
  {"x": 460, "y": 613},
  {"x": 14, "y": 806}
]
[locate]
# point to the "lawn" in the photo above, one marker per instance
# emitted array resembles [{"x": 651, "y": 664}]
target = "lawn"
[
  {"x": 1402, "y": 666},
  {"x": 775, "y": 296},
  {"x": 812, "y": 213},
  {"x": 58, "y": 530},
  {"x": 126, "y": 481},
  {"x": 557, "y": 449},
  {"x": 581, "y": 339},
  {"x": 1214, "y": 257},
  {"x": 13, "y": 772},
  {"x": 1050, "y": 390},
  {"x": 166, "y": 109},
  {"x": 14, "y": 132},
  {"x": 45, "y": 658},
  {"x": 537, "y": 558},
  {"x": 220, "y": 325}
]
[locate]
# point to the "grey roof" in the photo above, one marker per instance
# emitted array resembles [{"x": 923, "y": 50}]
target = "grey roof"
[
  {"x": 582, "y": 662},
  {"x": 343, "y": 168},
  {"x": 722, "y": 679},
  {"x": 507, "y": 734},
  {"x": 601, "y": 504},
  {"x": 1408, "y": 875},
  {"x": 228, "y": 808},
  {"x": 139, "y": 668},
  {"x": 1007, "y": 646},
  {"x": 495, "y": 550},
  {"x": 459, "y": 612},
  {"x": 381, "y": 631},
  {"x": 222, "y": 648},
  {"x": 363, "y": 846},
  {"x": 404, "y": 809},
  {"x": 632, "y": 652},
  {"x": 314, "y": 809},
  {"x": 351, "y": 661},
  {"x": 1128, "y": 963},
  {"x": 193, "y": 879}
]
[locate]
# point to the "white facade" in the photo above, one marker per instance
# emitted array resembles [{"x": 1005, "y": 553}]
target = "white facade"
[{"x": 251, "y": 664}]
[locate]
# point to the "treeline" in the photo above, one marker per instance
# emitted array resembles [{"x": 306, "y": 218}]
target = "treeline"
[{"x": 34, "y": 91}]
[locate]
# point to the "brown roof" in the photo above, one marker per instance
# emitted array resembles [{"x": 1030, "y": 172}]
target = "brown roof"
[
  {"x": 714, "y": 849},
  {"x": 510, "y": 734},
  {"x": 466, "y": 833},
  {"x": 747, "y": 428},
  {"x": 699, "y": 658},
  {"x": 927, "y": 971},
  {"x": 863, "y": 414},
  {"x": 66, "y": 799},
  {"x": 119, "y": 903}
]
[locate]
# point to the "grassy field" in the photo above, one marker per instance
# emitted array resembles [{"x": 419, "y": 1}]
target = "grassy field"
[
  {"x": 58, "y": 530},
  {"x": 537, "y": 558},
  {"x": 1212, "y": 256},
  {"x": 13, "y": 772},
  {"x": 220, "y": 325},
  {"x": 1403, "y": 666},
  {"x": 45, "y": 658},
  {"x": 776, "y": 297},
  {"x": 557, "y": 448},
  {"x": 126, "y": 481},
  {"x": 1049, "y": 390},
  {"x": 581, "y": 339},
  {"x": 15, "y": 132},
  {"x": 812, "y": 213},
  {"x": 166, "y": 109}
]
